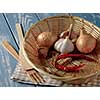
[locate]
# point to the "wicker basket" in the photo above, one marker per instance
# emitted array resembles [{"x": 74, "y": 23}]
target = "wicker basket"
[{"x": 58, "y": 24}]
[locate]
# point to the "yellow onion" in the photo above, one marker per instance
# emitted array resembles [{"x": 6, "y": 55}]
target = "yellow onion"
[
  {"x": 85, "y": 43},
  {"x": 46, "y": 39}
]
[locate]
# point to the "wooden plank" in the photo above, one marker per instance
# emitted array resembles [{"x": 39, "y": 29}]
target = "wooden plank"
[
  {"x": 26, "y": 20},
  {"x": 11, "y": 19},
  {"x": 7, "y": 63}
]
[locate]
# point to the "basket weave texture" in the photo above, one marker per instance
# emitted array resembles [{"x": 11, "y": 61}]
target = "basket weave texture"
[{"x": 56, "y": 25}]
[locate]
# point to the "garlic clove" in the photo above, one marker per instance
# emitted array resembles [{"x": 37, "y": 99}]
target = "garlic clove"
[
  {"x": 59, "y": 41},
  {"x": 64, "y": 46},
  {"x": 58, "y": 44},
  {"x": 67, "y": 46}
]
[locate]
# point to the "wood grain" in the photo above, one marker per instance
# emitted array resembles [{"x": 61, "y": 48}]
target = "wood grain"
[
  {"x": 10, "y": 49},
  {"x": 7, "y": 63},
  {"x": 10, "y": 20},
  {"x": 6, "y": 60}
]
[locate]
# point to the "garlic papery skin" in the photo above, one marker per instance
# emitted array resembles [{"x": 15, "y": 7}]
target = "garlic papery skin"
[
  {"x": 67, "y": 46},
  {"x": 58, "y": 44}
]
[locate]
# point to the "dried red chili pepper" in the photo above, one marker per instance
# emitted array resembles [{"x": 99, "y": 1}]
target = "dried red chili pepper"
[
  {"x": 76, "y": 56},
  {"x": 71, "y": 68}
]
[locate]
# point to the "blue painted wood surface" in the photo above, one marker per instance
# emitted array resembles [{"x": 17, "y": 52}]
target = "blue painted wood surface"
[
  {"x": 8, "y": 32},
  {"x": 6, "y": 61}
]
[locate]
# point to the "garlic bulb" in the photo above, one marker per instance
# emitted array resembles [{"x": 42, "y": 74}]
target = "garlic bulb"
[{"x": 65, "y": 45}]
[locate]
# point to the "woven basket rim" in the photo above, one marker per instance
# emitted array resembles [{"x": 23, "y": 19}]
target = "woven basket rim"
[
  {"x": 90, "y": 24},
  {"x": 46, "y": 73}
]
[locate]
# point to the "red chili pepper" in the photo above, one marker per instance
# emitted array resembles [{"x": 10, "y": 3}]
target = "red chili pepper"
[
  {"x": 69, "y": 68},
  {"x": 76, "y": 56},
  {"x": 72, "y": 68}
]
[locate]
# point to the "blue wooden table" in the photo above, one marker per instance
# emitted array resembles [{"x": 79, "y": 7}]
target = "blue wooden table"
[{"x": 8, "y": 32}]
